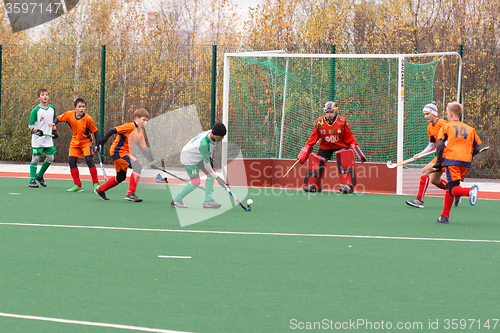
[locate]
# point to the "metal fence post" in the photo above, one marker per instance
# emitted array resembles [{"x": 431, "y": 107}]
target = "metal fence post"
[{"x": 332, "y": 77}]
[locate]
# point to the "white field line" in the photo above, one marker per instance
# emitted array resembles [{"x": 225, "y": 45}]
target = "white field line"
[
  {"x": 175, "y": 257},
  {"x": 256, "y": 233},
  {"x": 88, "y": 323}
]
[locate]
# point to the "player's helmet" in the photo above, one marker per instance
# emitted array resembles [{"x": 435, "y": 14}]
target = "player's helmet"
[{"x": 330, "y": 111}]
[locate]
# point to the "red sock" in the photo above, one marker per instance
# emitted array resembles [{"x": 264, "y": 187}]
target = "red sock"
[
  {"x": 442, "y": 184},
  {"x": 459, "y": 191},
  {"x": 424, "y": 183},
  {"x": 109, "y": 184},
  {"x": 76, "y": 177},
  {"x": 448, "y": 202},
  {"x": 93, "y": 174},
  {"x": 134, "y": 179}
]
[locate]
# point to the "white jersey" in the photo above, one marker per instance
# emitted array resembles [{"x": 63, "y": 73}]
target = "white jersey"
[
  {"x": 40, "y": 118},
  {"x": 198, "y": 149}
]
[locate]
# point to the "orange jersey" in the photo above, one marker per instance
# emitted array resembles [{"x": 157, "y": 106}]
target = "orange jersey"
[
  {"x": 461, "y": 140},
  {"x": 433, "y": 130},
  {"x": 127, "y": 136},
  {"x": 82, "y": 128},
  {"x": 335, "y": 136}
]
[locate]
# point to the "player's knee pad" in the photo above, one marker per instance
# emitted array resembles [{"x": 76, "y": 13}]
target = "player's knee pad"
[
  {"x": 49, "y": 159},
  {"x": 90, "y": 161},
  {"x": 35, "y": 159},
  {"x": 121, "y": 176},
  {"x": 346, "y": 165},
  {"x": 451, "y": 185},
  {"x": 315, "y": 173}
]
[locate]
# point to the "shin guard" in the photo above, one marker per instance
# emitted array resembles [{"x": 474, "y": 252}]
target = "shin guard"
[
  {"x": 315, "y": 172},
  {"x": 347, "y": 170}
]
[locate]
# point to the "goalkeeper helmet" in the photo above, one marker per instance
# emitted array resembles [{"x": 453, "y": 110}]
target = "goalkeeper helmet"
[{"x": 330, "y": 111}]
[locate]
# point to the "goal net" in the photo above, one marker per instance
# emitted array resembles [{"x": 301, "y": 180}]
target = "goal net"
[{"x": 272, "y": 99}]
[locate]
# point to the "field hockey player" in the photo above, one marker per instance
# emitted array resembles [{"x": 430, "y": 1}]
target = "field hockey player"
[{"x": 196, "y": 156}]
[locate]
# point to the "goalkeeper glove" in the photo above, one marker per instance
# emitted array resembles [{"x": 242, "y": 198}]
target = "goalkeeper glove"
[{"x": 304, "y": 153}]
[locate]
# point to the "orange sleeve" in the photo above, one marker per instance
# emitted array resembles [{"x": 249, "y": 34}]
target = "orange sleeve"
[
  {"x": 91, "y": 125},
  {"x": 429, "y": 132},
  {"x": 63, "y": 118},
  {"x": 125, "y": 128},
  {"x": 142, "y": 141}
]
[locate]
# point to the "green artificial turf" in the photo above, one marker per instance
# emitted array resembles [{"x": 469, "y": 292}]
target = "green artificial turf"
[{"x": 294, "y": 259}]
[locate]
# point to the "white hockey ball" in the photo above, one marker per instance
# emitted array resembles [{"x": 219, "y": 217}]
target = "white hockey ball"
[{"x": 249, "y": 202}]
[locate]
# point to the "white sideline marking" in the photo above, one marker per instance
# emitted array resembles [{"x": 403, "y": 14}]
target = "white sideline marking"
[
  {"x": 175, "y": 257},
  {"x": 89, "y": 323},
  {"x": 254, "y": 233}
]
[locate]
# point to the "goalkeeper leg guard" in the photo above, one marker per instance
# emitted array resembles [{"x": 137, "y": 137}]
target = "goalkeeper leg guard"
[
  {"x": 347, "y": 170},
  {"x": 315, "y": 172}
]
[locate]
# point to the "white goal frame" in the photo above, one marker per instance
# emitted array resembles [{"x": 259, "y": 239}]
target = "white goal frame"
[{"x": 282, "y": 54}]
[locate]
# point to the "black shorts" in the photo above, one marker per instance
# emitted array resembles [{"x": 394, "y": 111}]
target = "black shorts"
[{"x": 327, "y": 153}]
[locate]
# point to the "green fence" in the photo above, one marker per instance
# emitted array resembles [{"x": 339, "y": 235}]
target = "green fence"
[{"x": 162, "y": 78}]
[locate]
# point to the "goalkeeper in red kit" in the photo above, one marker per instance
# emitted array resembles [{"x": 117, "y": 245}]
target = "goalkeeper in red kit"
[{"x": 336, "y": 136}]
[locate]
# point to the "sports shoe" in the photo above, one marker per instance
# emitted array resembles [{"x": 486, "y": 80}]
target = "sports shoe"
[
  {"x": 415, "y": 203},
  {"x": 311, "y": 188},
  {"x": 178, "y": 204},
  {"x": 96, "y": 185},
  {"x": 443, "y": 219},
  {"x": 33, "y": 184},
  {"x": 473, "y": 195},
  {"x": 211, "y": 204},
  {"x": 101, "y": 194},
  {"x": 457, "y": 201},
  {"x": 346, "y": 188},
  {"x": 132, "y": 197},
  {"x": 41, "y": 181},
  {"x": 76, "y": 188}
]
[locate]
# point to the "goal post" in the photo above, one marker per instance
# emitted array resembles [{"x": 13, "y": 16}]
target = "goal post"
[{"x": 271, "y": 100}]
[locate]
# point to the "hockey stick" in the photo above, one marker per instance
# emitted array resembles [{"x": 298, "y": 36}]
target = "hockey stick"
[
  {"x": 171, "y": 174},
  {"x": 482, "y": 149},
  {"x": 102, "y": 168},
  {"x": 247, "y": 208},
  {"x": 294, "y": 164},
  {"x": 51, "y": 135},
  {"x": 391, "y": 165}
]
